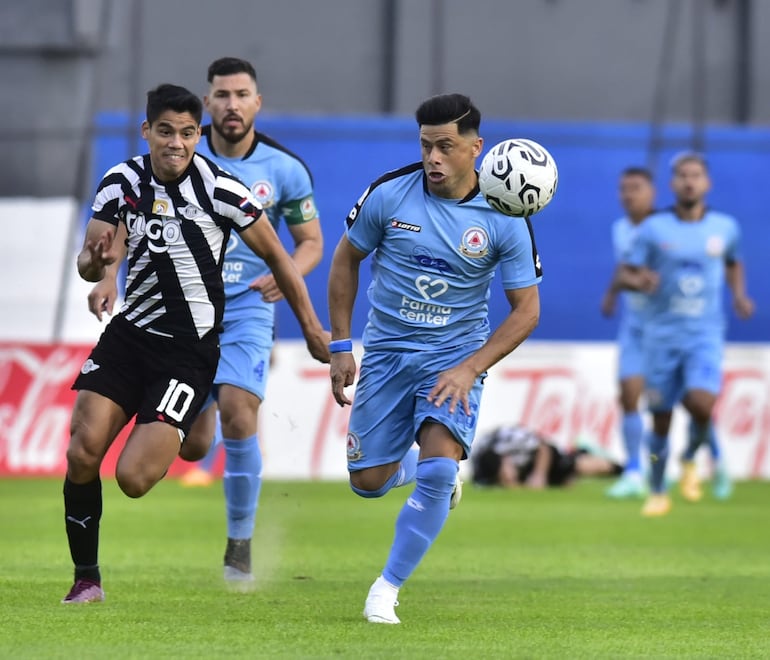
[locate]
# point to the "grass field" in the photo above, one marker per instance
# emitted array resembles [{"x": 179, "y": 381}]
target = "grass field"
[{"x": 558, "y": 574}]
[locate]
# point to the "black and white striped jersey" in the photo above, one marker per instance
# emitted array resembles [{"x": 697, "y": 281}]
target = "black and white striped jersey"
[
  {"x": 177, "y": 235},
  {"x": 515, "y": 440}
]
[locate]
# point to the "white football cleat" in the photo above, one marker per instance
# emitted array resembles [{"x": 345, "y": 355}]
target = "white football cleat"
[
  {"x": 457, "y": 493},
  {"x": 381, "y": 602}
]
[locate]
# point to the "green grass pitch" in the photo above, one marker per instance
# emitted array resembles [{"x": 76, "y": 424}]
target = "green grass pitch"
[{"x": 556, "y": 574}]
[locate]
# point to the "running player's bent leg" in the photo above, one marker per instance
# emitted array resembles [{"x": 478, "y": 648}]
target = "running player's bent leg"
[
  {"x": 96, "y": 420},
  {"x": 658, "y": 460},
  {"x": 149, "y": 452},
  {"x": 242, "y": 484},
  {"x": 659, "y": 450},
  {"x": 633, "y": 432},
  {"x": 421, "y": 518},
  {"x": 242, "y": 479},
  {"x": 366, "y": 482}
]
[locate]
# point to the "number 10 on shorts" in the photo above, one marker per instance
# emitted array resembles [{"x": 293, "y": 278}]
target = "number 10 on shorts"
[{"x": 176, "y": 400}]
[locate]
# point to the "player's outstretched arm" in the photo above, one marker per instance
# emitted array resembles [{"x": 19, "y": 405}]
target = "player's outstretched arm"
[
  {"x": 101, "y": 299},
  {"x": 455, "y": 384},
  {"x": 637, "y": 278},
  {"x": 262, "y": 239},
  {"x": 100, "y": 249},
  {"x": 736, "y": 280},
  {"x": 308, "y": 252},
  {"x": 538, "y": 478},
  {"x": 342, "y": 290},
  {"x": 610, "y": 297}
]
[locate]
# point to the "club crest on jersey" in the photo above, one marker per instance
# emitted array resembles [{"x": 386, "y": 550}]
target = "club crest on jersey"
[
  {"x": 263, "y": 191},
  {"x": 160, "y": 207},
  {"x": 474, "y": 243},
  {"x": 354, "y": 447},
  {"x": 715, "y": 246},
  {"x": 191, "y": 212},
  {"x": 88, "y": 366}
]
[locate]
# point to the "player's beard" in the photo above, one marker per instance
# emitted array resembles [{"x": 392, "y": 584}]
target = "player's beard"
[
  {"x": 689, "y": 202},
  {"x": 233, "y": 137}
]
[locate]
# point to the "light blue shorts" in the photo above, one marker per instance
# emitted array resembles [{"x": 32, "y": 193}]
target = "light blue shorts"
[
  {"x": 244, "y": 358},
  {"x": 390, "y": 405},
  {"x": 630, "y": 355},
  {"x": 671, "y": 371}
]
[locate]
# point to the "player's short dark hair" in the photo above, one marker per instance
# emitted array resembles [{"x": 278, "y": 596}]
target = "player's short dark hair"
[
  {"x": 229, "y": 66},
  {"x": 486, "y": 467},
  {"x": 636, "y": 170},
  {"x": 448, "y": 109},
  {"x": 173, "y": 97},
  {"x": 688, "y": 157}
]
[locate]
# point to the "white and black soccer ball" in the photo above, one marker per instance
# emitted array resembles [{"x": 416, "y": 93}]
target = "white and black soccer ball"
[{"x": 518, "y": 177}]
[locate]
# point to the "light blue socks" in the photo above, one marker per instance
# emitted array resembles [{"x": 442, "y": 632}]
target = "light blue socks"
[
  {"x": 633, "y": 431},
  {"x": 658, "y": 459},
  {"x": 421, "y": 518},
  {"x": 242, "y": 483}
]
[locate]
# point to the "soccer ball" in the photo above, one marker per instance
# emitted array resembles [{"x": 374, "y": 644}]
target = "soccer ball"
[{"x": 518, "y": 177}]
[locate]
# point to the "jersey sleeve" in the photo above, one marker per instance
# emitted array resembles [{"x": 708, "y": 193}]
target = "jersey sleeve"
[
  {"x": 638, "y": 251},
  {"x": 297, "y": 203},
  {"x": 733, "y": 247},
  {"x": 365, "y": 222},
  {"x": 233, "y": 200},
  {"x": 108, "y": 198},
  {"x": 519, "y": 260}
]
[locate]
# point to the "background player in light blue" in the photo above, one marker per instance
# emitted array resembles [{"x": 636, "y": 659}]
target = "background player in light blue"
[
  {"x": 435, "y": 246},
  {"x": 283, "y": 185},
  {"x": 681, "y": 258},
  {"x": 637, "y": 196}
]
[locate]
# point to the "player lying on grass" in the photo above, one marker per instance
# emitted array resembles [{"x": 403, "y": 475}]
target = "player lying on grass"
[{"x": 514, "y": 456}]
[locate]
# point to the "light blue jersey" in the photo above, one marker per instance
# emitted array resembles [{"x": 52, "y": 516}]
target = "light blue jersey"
[
  {"x": 432, "y": 265},
  {"x": 623, "y": 233},
  {"x": 632, "y": 305},
  {"x": 690, "y": 259},
  {"x": 282, "y": 184},
  {"x": 433, "y": 262},
  {"x": 684, "y": 325}
]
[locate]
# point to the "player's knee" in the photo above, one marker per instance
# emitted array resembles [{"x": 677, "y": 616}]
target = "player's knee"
[
  {"x": 193, "y": 450},
  {"x": 135, "y": 482},
  {"x": 240, "y": 423},
  {"x": 437, "y": 475},
  {"x": 370, "y": 484},
  {"x": 133, "y": 485},
  {"x": 80, "y": 459}
]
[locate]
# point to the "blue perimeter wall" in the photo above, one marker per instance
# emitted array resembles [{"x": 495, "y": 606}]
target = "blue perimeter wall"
[{"x": 345, "y": 154}]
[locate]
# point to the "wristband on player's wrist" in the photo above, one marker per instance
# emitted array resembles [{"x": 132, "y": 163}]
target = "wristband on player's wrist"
[{"x": 341, "y": 346}]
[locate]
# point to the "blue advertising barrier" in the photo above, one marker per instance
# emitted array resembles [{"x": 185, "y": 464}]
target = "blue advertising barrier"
[{"x": 345, "y": 154}]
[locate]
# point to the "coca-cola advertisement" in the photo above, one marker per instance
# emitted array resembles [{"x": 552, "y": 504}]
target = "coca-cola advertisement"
[{"x": 565, "y": 390}]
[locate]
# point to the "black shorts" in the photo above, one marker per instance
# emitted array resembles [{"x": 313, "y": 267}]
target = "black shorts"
[
  {"x": 562, "y": 468},
  {"x": 153, "y": 377}
]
